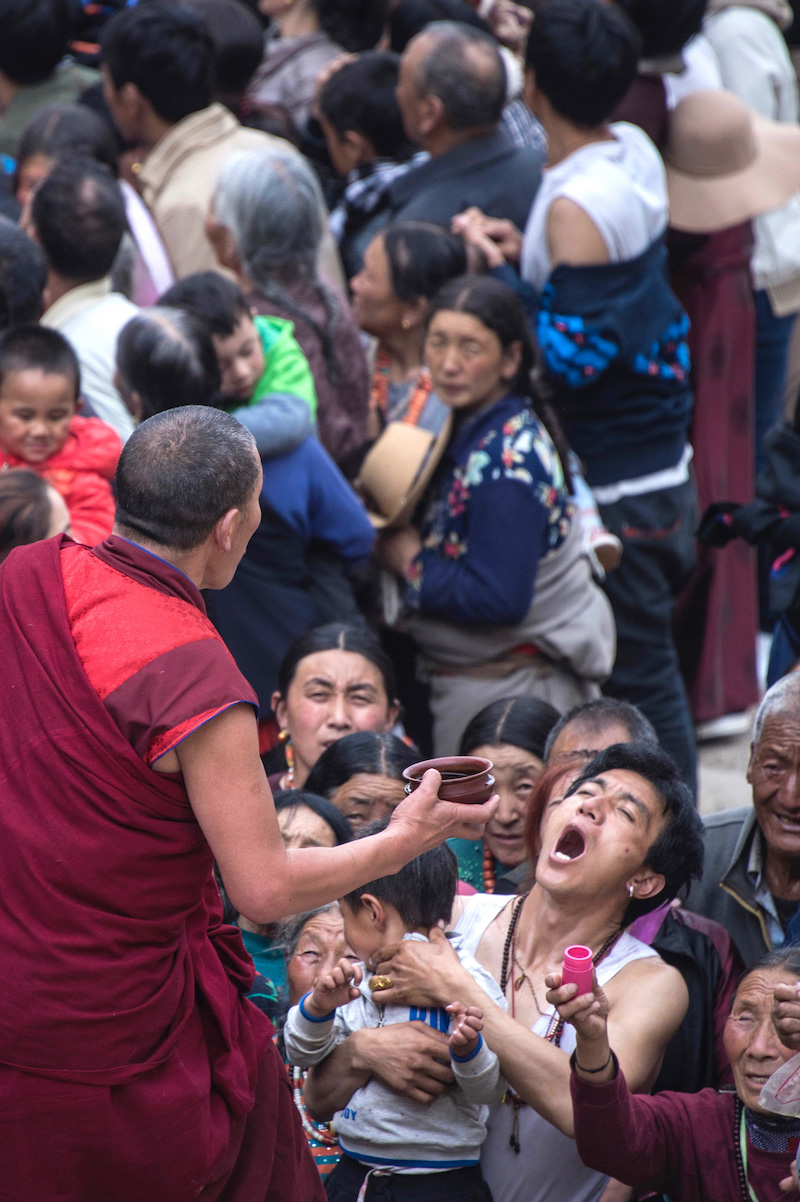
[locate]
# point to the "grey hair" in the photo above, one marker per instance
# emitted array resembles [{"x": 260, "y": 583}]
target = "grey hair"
[
  {"x": 272, "y": 204},
  {"x": 464, "y": 68},
  {"x": 290, "y": 930},
  {"x": 783, "y": 697}
]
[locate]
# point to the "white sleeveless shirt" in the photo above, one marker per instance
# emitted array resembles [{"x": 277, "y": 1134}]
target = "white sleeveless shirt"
[
  {"x": 547, "y": 1168},
  {"x": 622, "y": 186}
]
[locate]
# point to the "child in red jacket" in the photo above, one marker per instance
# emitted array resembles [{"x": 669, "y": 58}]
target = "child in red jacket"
[{"x": 40, "y": 429}]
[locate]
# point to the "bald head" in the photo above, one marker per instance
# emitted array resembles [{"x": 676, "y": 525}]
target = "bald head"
[{"x": 463, "y": 68}]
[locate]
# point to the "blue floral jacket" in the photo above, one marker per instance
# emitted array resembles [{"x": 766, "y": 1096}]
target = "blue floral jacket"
[{"x": 500, "y": 504}]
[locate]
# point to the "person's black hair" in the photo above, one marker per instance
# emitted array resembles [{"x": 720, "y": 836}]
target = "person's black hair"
[
  {"x": 422, "y": 258},
  {"x": 61, "y": 130},
  {"x": 33, "y": 39},
  {"x": 598, "y": 715},
  {"x": 217, "y": 301},
  {"x": 521, "y": 721},
  {"x": 24, "y": 509},
  {"x": 375, "y": 753},
  {"x": 583, "y": 54},
  {"x": 23, "y": 275},
  {"x": 463, "y": 67},
  {"x": 409, "y": 17},
  {"x": 496, "y": 307},
  {"x": 295, "y": 799},
  {"x": 79, "y": 215},
  {"x": 181, "y": 471},
  {"x": 677, "y": 853},
  {"x": 168, "y": 358},
  {"x": 665, "y": 26},
  {"x": 338, "y": 636},
  {"x": 353, "y": 24},
  {"x": 238, "y": 44},
  {"x": 360, "y": 96},
  {"x": 422, "y": 892},
  {"x": 33, "y": 346},
  {"x": 166, "y": 50}
]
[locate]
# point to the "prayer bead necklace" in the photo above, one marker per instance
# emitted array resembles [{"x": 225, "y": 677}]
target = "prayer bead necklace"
[
  {"x": 321, "y": 1132},
  {"x": 489, "y": 878}
]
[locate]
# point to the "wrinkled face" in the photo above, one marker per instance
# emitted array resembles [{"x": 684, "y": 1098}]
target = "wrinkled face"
[
  {"x": 30, "y": 174},
  {"x": 332, "y": 694},
  {"x": 367, "y": 797},
  {"x": 751, "y": 1042},
  {"x": 515, "y": 773},
  {"x": 595, "y": 841},
  {"x": 375, "y": 304},
  {"x": 301, "y": 827},
  {"x": 575, "y": 737},
  {"x": 36, "y": 408},
  {"x": 322, "y": 942},
  {"x": 774, "y": 773},
  {"x": 468, "y": 366},
  {"x": 241, "y": 361}
]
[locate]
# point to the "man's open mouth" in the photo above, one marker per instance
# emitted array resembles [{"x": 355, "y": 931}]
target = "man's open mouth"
[{"x": 570, "y": 846}]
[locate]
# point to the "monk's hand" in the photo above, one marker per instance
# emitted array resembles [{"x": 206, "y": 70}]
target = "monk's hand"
[
  {"x": 588, "y": 1014},
  {"x": 786, "y": 1014},
  {"x": 333, "y": 989},
  {"x": 422, "y": 974},
  {"x": 425, "y": 821}
]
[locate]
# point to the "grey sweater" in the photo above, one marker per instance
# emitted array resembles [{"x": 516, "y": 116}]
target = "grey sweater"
[{"x": 378, "y": 1126}]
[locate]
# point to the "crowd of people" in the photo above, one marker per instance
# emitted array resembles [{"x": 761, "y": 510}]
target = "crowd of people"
[{"x": 379, "y": 380}]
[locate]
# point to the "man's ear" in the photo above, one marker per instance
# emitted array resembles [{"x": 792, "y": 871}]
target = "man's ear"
[
  {"x": 359, "y": 147},
  {"x": 646, "y": 885},
  {"x": 431, "y": 115},
  {"x": 376, "y": 910},
  {"x": 226, "y": 528},
  {"x": 224, "y": 243},
  {"x": 749, "y": 773}
]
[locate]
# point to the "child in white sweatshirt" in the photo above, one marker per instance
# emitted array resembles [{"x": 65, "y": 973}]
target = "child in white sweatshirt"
[{"x": 432, "y": 1152}]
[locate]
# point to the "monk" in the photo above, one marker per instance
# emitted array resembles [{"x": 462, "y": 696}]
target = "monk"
[{"x": 132, "y": 1068}]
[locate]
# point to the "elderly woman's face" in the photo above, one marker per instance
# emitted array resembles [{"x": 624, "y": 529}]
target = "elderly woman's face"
[
  {"x": 751, "y": 1042},
  {"x": 320, "y": 945},
  {"x": 515, "y": 772},
  {"x": 301, "y": 827},
  {"x": 367, "y": 797},
  {"x": 332, "y": 694},
  {"x": 376, "y": 306},
  {"x": 774, "y": 773}
]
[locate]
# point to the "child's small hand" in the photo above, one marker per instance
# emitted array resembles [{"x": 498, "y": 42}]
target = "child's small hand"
[
  {"x": 335, "y": 989},
  {"x": 786, "y": 1014},
  {"x": 467, "y": 1026}
]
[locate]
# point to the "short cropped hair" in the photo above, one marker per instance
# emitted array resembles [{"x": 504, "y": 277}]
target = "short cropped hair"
[
  {"x": 238, "y": 41},
  {"x": 181, "y": 471},
  {"x": 598, "y": 715},
  {"x": 361, "y": 96},
  {"x": 464, "y": 69},
  {"x": 166, "y": 50},
  {"x": 23, "y": 275},
  {"x": 422, "y": 893},
  {"x": 33, "y": 346},
  {"x": 167, "y": 356},
  {"x": 217, "y": 301},
  {"x": 79, "y": 215},
  {"x": 33, "y": 39},
  {"x": 782, "y": 698},
  {"x": 678, "y": 851},
  {"x": 583, "y": 54}
]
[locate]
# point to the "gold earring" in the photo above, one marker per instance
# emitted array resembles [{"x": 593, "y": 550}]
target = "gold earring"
[{"x": 406, "y": 323}]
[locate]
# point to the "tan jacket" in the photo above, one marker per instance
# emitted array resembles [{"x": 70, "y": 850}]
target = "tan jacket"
[{"x": 178, "y": 178}]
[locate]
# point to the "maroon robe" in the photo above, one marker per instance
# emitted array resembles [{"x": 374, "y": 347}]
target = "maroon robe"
[
  {"x": 132, "y": 1067},
  {"x": 682, "y": 1143}
]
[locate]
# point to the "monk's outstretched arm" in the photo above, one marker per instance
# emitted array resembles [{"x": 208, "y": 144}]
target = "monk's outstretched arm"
[{"x": 232, "y": 802}]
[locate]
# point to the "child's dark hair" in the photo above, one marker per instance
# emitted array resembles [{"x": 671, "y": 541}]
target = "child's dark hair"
[
  {"x": 422, "y": 893},
  {"x": 361, "y": 96},
  {"x": 32, "y": 346},
  {"x": 218, "y": 302}
]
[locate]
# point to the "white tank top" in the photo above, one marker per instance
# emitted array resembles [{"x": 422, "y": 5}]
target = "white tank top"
[
  {"x": 622, "y": 186},
  {"x": 547, "y": 1168}
]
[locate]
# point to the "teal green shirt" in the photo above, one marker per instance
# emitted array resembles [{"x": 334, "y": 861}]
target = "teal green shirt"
[{"x": 268, "y": 959}]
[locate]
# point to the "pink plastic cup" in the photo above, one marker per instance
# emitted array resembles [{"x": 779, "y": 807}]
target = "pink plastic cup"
[{"x": 578, "y": 969}]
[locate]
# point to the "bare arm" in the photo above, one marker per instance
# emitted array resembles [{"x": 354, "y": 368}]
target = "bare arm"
[
  {"x": 232, "y": 802},
  {"x": 411, "y": 1058},
  {"x": 647, "y": 1000},
  {"x": 572, "y": 236}
]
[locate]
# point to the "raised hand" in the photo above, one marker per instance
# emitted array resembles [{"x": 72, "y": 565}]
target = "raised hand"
[{"x": 336, "y": 988}]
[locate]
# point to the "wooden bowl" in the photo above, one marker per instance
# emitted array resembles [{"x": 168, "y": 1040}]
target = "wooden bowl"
[{"x": 465, "y": 778}]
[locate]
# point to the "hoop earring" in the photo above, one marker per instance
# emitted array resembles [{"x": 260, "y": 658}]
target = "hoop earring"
[
  {"x": 630, "y": 890},
  {"x": 288, "y": 751}
]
